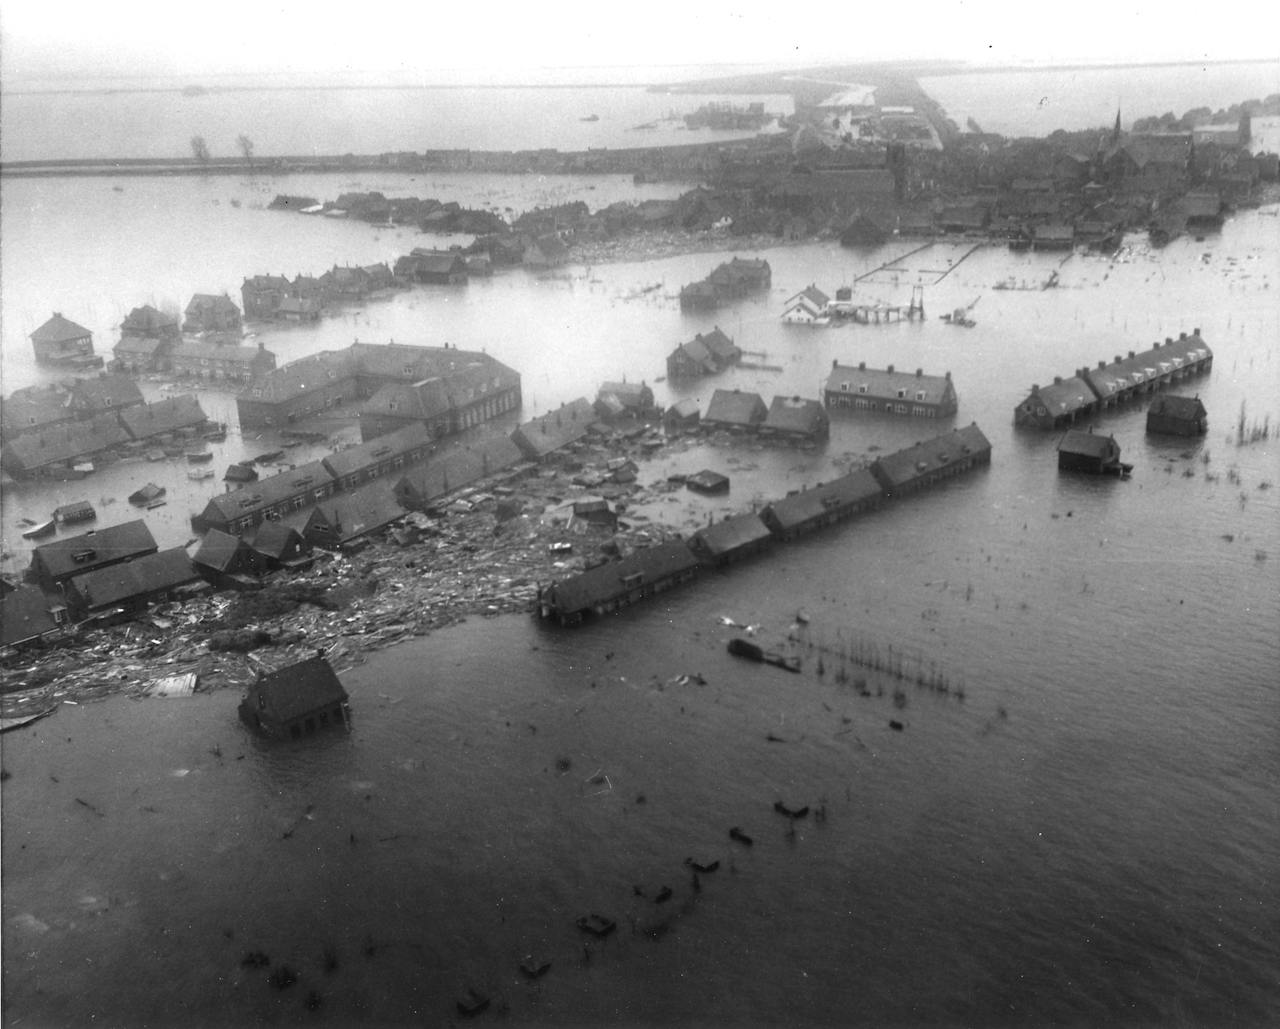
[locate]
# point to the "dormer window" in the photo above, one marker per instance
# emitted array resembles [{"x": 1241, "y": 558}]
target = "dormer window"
[
  {"x": 862, "y": 388},
  {"x": 902, "y": 394},
  {"x": 844, "y": 387},
  {"x": 920, "y": 394}
]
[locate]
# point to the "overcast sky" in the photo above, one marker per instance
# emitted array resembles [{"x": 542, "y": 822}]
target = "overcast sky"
[{"x": 500, "y": 39}]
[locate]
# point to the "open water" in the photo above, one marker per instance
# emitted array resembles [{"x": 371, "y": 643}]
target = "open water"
[{"x": 1089, "y": 836}]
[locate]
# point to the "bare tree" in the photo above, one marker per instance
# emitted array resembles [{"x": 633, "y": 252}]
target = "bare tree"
[
  {"x": 246, "y": 147},
  {"x": 200, "y": 149}
]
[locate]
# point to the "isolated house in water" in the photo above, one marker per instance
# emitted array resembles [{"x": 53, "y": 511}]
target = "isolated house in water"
[
  {"x": 60, "y": 341},
  {"x": 1177, "y": 416},
  {"x": 295, "y": 701},
  {"x": 1084, "y": 452}
]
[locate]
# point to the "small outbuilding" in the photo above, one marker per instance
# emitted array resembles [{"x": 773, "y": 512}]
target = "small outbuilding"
[
  {"x": 1177, "y": 416},
  {"x": 295, "y": 701}
]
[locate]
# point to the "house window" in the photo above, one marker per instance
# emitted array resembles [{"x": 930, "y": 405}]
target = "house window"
[
  {"x": 862, "y": 388},
  {"x": 844, "y": 387},
  {"x": 920, "y": 394},
  {"x": 902, "y": 394},
  {"x": 900, "y": 408}
]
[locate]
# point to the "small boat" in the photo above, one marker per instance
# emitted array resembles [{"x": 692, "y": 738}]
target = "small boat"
[
  {"x": 590, "y": 117},
  {"x": 216, "y": 435},
  {"x": 597, "y": 925},
  {"x": 197, "y": 474},
  {"x": 268, "y": 457},
  {"x": 199, "y": 456},
  {"x": 39, "y": 530},
  {"x": 154, "y": 454}
]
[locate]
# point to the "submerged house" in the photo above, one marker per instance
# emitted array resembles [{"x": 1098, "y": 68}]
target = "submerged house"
[
  {"x": 890, "y": 391},
  {"x": 548, "y": 433},
  {"x": 824, "y": 504},
  {"x": 295, "y": 701},
  {"x": 618, "y": 584},
  {"x": 1096, "y": 454},
  {"x": 926, "y": 463},
  {"x": 732, "y": 539},
  {"x": 60, "y": 341},
  {"x": 209, "y": 312},
  {"x": 794, "y": 418},
  {"x": 57, "y": 562},
  {"x": 1177, "y": 416},
  {"x": 626, "y": 400},
  {"x": 1063, "y": 403},
  {"x": 131, "y": 585},
  {"x": 707, "y": 354},
  {"x": 27, "y": 616},
  {"x": 735, "y": 410}
]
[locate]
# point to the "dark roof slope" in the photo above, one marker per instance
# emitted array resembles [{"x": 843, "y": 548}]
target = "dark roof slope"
[
  {"x": 732, "y": 534},
  {"x": 606, "y": 581},
  {"x": 109, "y": 544},
  {"x": 150, "y": 573},
  {"x": 540, "y": 436},
  {"x": 911, "y": 463},
  {"x": 181, "y": 412},
  {"x": 843, "y": 493},
  {"x": 297, "y": 690},
  {"x": 59, "y": 330}
]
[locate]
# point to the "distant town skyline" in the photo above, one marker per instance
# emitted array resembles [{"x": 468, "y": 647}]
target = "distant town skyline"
[{"x": 506, "y": 42}]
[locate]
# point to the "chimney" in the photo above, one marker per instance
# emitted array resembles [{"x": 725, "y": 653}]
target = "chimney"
[
  {"x": 1057, "y": 380},
  {"x": 889, "y": 369},
  {"x": 1196, "y": 331},
  {"x": 1101, "y": 365},
  {"x": 1131, "y": 354},
  {"x": 1034, "y": 389},
  {"x": 834, "y": 363},
  {"x": 919, "y": 372},
  {"x": 862, "y": 366},
  {"x": 948, "y": 376}
]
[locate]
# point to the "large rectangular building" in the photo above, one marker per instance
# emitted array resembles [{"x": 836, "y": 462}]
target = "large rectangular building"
[{"x": 889, "y": 391}]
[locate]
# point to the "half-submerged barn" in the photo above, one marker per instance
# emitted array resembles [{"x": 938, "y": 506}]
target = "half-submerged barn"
[{"x": 295, "y": 701}]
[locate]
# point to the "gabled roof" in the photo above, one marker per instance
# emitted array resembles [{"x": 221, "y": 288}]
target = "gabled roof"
[
  {"x": 812, "y": 296},
  {"x": 64, "y": 441},
  {"x": 1065, "y": 397},
  {"x": 274, "y": 539},
  {"x": 211, "y": 302},
  {"x": 248, "y": 500},
  {"x": 401, "y": 441},
  {"x": 795, "y": 415},
  {"x": 307, "y": 373},
  {"x": 885, "y": 383},
  {"x": 105, "y": 393},
  {"x": 59, "y": 330},
  {"x": 1077, "y": 441},
  {"x": 1125, "y": 372},
  {"x": 347, "y": 516},
  {"x": 905, "y": 466},
  {"x": 540, "y": 436},
  {"x": 147, "y": 319},
  {"x": 31, "y": 407},
  {"x": 218, "y": 550},
  {"x": 150, "y": 573},
  {"x": 453, "y": 469},
  {"x": 845, "y": 492},
  {"x": 732, "y": 533},
  {"x": 735, "y": 407},
  {"x": 604, "y": 582},
  {"x": 1168, "y": 405},
  {"x": 720, "y": 345},
  {"x": 297, "y": 690},
  {"x": 24, "y": 615},
  {"x": 128, "y": 539},
  {"x": 696, "y": 352},
  {"x": 165, "y": 415}
]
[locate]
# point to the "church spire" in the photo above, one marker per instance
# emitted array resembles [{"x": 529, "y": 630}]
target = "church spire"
[{"x": 1115, "y": 132}]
